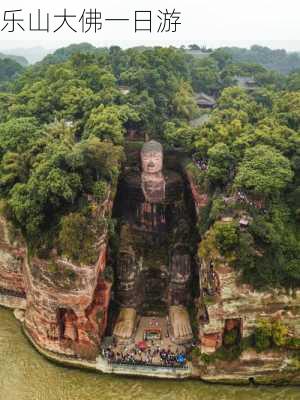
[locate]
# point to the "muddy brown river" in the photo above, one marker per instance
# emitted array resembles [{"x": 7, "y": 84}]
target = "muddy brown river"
[{"x": 26, "y": 375}]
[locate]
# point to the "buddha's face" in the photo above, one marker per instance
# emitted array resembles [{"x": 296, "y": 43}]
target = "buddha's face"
[{"x": 152, "y": 162}]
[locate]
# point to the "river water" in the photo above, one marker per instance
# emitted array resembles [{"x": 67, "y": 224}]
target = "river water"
[{"x": 26, "y": 375}]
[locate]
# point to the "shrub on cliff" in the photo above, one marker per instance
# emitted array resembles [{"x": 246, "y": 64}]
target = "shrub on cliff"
[
  {"x": 78, "y": 237},
  {"x": 270, "y": 333},
  {"x": 227, "y": 236},
  {"x": 231, "y": 338},
  {"x": 221, "y": 240},
  {"x": 262, "y": 336},
  {"x": 100, "y": 190}
]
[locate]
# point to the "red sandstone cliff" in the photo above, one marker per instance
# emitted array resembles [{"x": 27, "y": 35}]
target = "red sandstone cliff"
[
  {"x": 234, "y": 302},
  {"x": 12, "y": 251},
  {"x": 66, "y": 304}
]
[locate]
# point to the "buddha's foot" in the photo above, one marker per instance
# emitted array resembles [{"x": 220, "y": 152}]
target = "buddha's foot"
[
  {"x": 180, "y": 323},
  {"x": 125, "y": 323}
]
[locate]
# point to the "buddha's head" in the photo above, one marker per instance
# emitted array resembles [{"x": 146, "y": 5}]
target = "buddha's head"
[{"x": 152, "y": 157}]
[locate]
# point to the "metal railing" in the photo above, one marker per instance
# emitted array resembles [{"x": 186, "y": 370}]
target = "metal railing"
[{"x": 147, "y": 365}]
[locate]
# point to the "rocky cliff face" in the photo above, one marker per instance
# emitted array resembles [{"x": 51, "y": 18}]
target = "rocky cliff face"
[
  {"x": 12, "y": 252},
  {"x": 226, "y": 301},
  {"x": 200, "y": 198},
  {"x": 66, "y": 303},
  {"x": 67, "y": 309},
  {"x": 240, "y": 305},
  {"x": 226, "y": 304}
]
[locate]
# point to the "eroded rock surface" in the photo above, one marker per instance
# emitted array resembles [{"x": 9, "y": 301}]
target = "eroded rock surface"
[
  {"x": 226, "y": 304},
  {"x": 66, "y": 303},
  {"x": 12, "y": 252}
]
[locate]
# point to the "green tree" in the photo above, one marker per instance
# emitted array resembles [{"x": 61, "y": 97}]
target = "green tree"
[
  {"x": 9, "y": 70},
  {"x": 184, "y": 102},
  {"x": 18, "y": 135},
  {"x": 206, "y": 76},
  {"x": 226, "y": 235},
  {"x": 220, "y": 163},
  {"x": 108, "y": 123},
  {"x": 264, "y": 171}
]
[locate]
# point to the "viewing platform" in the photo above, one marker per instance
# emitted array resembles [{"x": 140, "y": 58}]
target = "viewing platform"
[
  {"x": 150, "y": 352},
  {"x": 150, "y": 371}
]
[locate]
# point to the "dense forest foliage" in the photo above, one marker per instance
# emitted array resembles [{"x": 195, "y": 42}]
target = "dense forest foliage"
[
  {"x": 18, "y": 59},
  {"x": 9, "y": 71},
  {"x": 62, "y": 130},
  {"x": 278, "y": 60}
]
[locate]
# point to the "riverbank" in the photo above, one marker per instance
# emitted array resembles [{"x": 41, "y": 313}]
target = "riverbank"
[
  {"x": 26, "y": 375},
  {"x": 254, "y": 374},
  {"x": 101, "y": 365},
  {"x": 260, "y": 376},
  {"x": 12, "y": 302}
]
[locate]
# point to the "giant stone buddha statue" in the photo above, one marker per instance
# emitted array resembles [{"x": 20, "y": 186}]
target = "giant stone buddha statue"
[{"x": 154, "y": 264}]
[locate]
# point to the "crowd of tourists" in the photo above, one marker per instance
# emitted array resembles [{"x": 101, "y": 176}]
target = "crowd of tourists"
[
  {"x": 149, "y": 356},
  {"x": 241, "y": 197},
  {"x": 201, "y": 163}
]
